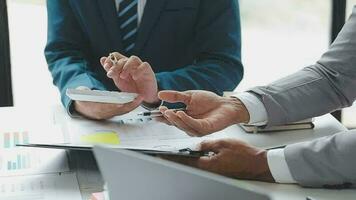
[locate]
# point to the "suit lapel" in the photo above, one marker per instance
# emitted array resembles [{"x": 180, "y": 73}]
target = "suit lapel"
[
  {"x": 108, "y": 13},
  {"x": 150, "y": 17}
]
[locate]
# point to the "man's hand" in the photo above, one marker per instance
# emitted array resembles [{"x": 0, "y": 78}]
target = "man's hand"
[
  {"x": 132, "y": 75},
  {"x": 233, "y": 158},
  {"x": 101, "y": 111},
  {"x": 205, "y": 113}
]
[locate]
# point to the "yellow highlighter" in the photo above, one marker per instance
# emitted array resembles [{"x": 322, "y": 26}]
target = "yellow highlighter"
[{"x": 101, "y": 138}]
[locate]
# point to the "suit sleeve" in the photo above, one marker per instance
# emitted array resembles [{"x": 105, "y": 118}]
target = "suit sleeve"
[
  {"x": 66, "y": 50},
  {"x": 218, "y": 66},
  {"x": 319, "y": 89},
  {"x": 326, "y": 162}
]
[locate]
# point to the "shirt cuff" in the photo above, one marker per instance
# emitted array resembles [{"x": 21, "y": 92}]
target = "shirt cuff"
[
  {"x": 278, "y": 166},
  {"x": 256, "y": 109}
]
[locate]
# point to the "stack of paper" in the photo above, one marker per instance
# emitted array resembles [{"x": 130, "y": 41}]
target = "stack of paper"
[{"x": 30, "y": 173}]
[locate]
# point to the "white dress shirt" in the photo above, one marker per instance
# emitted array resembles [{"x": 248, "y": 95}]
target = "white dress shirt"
[
  {"x": 275, "y": 158},
  {"x": 140, "y": 8}
]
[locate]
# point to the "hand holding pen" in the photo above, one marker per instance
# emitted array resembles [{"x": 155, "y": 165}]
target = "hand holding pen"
[{"x": 205, "y": 113}]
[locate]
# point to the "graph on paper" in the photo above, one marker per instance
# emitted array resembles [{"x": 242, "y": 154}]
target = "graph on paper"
[
  {"x": 21, "y": 161},
  {"x": 10, "y": 139}
]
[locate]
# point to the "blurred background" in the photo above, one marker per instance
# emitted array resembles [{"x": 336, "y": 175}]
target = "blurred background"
[{"x": 278, "y": 38}]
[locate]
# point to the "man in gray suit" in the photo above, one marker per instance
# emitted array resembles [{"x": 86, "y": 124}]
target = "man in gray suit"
[{"x": 328, "y": 85}]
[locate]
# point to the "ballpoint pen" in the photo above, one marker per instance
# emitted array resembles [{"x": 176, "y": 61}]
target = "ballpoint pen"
[
  {"x": 196, "y": 153},
  {"x": 157, "y": 113},
  {"x": 113, "y": 58}
]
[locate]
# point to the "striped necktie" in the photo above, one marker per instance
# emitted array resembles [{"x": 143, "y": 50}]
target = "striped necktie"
[{"x": 128, "y": 22}]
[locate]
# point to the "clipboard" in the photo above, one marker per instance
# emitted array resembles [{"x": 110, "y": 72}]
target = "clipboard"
[{"x": 186, "y": 152}]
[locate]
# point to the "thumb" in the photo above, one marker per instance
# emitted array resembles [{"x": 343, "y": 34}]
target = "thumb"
[
  {"x": 174, "y": 96},
  {"x": 102, "y": 60}
]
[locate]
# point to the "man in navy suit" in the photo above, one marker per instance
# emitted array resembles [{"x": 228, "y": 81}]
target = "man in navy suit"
[{"x": 161, "y": 44}]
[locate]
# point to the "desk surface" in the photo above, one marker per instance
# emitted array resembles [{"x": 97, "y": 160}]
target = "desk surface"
[{"x": 90, "y": 180}]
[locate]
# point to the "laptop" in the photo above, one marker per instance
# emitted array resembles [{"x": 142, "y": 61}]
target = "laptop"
[{"x": 134, "y": 176}]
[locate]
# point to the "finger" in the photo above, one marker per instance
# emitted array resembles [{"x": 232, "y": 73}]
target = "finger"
[
  {"x": 95, "y": 111},
  {"x": 107, "y": 64},
  {"x": 207, "y": 163},
  {"x": 174, "y": 96},
  {"x": 117, "y": 68},
  {"x": 162, "y": 109},
  {"x": 118, "y": 55},
  {"x": 102, "y": 60},
  {"x": 196, "y": 124},
  {"x": 163, "y": 120},
  {"x": 128, "y": 107},
  {"x": 170, "y": 121},
  {"x": 111, "y": 110},
  {"x": 192, "y": 123},
  {"x": 132, "y": 63},
  {"x": 179, "y": 123},
  {"x": 142, "y": 70},
  {"x": 211, "y": 145}
]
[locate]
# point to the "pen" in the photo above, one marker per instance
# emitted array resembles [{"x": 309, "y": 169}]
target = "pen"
[
  {"x": 157, "y": 113},
  {"x": 113, "y": 59},
  {"x": 196, "y": 153}
]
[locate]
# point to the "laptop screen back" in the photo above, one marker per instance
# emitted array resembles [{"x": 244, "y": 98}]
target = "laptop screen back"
[{"x": 133, "y": 176}]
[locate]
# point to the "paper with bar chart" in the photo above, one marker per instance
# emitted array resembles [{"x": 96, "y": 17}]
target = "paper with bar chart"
[
  {"x": 19, "y": 161},
  {"x": 33, "y": 173},
  {"x": 11, "y": 138}
]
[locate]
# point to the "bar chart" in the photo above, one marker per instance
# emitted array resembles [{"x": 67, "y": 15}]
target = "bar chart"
[
  {"x": 12, "y": 162},
  {"x": 10, "y": 139},
  {"x": 20, "y": 162},
  {"x": 16, "y": 160}
]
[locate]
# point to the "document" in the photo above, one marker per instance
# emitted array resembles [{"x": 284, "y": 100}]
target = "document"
[
  {"x": 18, "y": 129},
  {"x": 24, "y": 161},
  {"x": 33, "y": 173},
  {"x": 40, "y": 187},
  {"x": 148, "y": 134},
  {"x": 142, "y": 133}
]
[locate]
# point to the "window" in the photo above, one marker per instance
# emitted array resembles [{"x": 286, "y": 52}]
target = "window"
[
  {"x": 278, "y": 38},
  {"x": 32, "y": 82},
  {"x": 281, "y": 36}
]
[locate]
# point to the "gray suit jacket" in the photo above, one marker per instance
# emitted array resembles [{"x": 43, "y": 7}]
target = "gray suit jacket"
[{"x": 328, "y": 85}]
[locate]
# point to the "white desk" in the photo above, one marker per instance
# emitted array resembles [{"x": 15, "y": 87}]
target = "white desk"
[
  {"x": 90, "y": 180},
  {"x": 324, "y": 126}
]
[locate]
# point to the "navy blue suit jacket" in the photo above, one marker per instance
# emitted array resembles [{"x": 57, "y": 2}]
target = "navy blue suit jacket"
[{"x": 190, "y": 44}]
